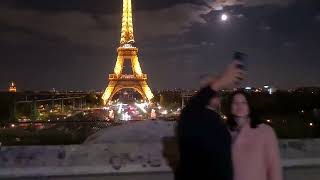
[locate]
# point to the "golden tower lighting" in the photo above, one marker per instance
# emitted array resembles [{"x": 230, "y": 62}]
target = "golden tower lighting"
[{"x": 127, "y": 52}]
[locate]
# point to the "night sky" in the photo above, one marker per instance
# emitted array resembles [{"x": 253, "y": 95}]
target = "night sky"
[{"x": 71, "y": 44}]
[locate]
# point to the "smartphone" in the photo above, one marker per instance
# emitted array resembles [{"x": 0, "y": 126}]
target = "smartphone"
[{"x": 242, "y": 57}]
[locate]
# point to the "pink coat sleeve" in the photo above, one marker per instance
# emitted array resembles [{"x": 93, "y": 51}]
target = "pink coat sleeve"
[{"x": 274, "y": 168}]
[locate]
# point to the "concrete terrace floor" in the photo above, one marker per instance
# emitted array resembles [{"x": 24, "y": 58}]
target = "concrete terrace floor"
[{"x": 303, "y": 173}]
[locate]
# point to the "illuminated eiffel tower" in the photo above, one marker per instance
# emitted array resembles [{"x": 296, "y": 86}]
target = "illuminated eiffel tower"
[{"x": 127, "y": 52}]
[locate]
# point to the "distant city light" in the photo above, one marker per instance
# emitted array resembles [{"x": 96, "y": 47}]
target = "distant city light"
[
  {"x": 126, "y": 117},
  {"x": 311, "y": 124},
  {"x": 266, "y": 87},
  {"x": 12, "y": 125},
  {"x": 105, "y": 108},
  {"x": 248, "y": 88},
  {"x": 153, "y": 114},
  {"x": 120, "y": 108},
  {"x": 165, "y": 112},
  {"x": 142, "y": 107},
  {"x": 268, "y": 120}
]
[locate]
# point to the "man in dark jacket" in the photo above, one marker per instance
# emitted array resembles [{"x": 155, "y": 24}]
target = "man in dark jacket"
[{"x": 204, "y": 141}]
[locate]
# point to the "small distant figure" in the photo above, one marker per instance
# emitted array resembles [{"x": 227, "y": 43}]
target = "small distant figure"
[
  {"x": 255, "y": 151},
  {"x": 111, "y": 114},
  {"x": 153, "y": 114}
]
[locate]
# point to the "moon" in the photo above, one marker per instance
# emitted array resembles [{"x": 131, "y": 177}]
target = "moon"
[{"x": 224, "y": 17}]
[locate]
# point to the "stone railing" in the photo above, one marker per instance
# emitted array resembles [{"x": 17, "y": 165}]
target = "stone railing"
[{"x": 145, "y": 155}]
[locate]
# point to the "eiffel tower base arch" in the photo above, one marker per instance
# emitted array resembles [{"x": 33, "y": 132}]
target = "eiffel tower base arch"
[{"x": 115, "y": 86}]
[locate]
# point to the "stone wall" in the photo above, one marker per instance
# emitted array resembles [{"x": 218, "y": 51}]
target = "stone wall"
[{"x": 141, "y": 148}]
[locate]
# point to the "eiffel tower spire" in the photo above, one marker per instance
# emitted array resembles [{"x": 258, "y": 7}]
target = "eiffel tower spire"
[
  {"x": 127, "y": 36},
  {"x": 127, "y": 52}
]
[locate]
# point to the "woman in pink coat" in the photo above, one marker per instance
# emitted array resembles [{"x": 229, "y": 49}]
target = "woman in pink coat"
[{"x": 255, "y": 150}]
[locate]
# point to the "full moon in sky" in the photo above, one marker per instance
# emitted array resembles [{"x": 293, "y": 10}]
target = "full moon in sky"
[{"x": 224, "y": 17}]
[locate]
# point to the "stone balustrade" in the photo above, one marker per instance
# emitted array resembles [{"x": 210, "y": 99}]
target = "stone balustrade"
[{"x": 143, "y": 147}]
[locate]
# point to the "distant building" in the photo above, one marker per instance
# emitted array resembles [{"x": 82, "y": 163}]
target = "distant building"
[
  {"x": 313, "y": 90},
  {"x": 269, "y": 89},
  {"x": 12, "y": 87},
  {"x": 265, "y": 89}
]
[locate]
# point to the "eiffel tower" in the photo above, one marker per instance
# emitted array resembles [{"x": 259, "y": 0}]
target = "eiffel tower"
[{"x": 127, "y": 52}]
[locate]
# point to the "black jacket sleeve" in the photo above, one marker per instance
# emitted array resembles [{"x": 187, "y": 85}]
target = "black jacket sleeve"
[
  {"x": 204, "y": 142},
  {"x": 200, "y": 100}
]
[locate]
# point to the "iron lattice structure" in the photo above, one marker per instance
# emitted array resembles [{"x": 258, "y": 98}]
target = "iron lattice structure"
[{"x": 127, "y": 52}]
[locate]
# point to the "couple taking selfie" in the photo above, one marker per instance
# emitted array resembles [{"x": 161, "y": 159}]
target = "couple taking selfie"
[{"x": 240, "y": 148}]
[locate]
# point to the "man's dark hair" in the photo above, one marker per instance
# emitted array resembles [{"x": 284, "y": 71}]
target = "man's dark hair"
[{"x": 254, "y": 117}]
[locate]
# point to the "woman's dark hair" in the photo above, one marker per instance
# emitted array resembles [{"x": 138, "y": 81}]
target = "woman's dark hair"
[{"x": 254, "y": 117}]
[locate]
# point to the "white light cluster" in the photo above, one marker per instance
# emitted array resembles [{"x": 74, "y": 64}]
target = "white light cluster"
[
  {"x": 126, "y": 117},
  {"x": 142, "y": 107}
]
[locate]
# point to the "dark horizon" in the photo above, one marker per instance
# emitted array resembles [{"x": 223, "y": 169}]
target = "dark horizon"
[{"x": 72, "y": 45}]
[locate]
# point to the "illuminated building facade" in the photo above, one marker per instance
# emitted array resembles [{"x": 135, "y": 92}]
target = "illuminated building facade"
[{"x": 12, "y": 87}]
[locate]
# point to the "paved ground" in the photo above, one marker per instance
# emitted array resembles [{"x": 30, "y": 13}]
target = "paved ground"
[
  {"x": 310, "y": 173},
  {"x": 306, "y": 173}
]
